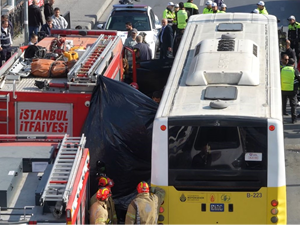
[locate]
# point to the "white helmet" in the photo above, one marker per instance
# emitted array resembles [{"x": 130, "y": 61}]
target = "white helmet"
[
  {"x": 209, "y": 2},
  {"x": 261, "y": 3},
  {"x": 223, "y": 6},
  {"x": 255, "y": 11}
]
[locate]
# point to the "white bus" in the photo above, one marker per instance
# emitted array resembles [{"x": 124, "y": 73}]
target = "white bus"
[{"x": 218, "y": 147}]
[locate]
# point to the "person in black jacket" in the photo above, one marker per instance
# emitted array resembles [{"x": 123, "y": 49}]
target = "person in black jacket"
[
  {"x": 166, "y": 39},
  {"x": 48, "y": 9},
  {"x": 35, "y": 18},
  {"x": 5, "y": 42},
  {"x": 10, "y": 25},
  {"x": 46, "y": 28}
]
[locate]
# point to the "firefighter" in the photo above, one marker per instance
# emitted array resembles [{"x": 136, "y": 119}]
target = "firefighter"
[
  {"x": 108, "y": 183},
  {"x": 223, "y": 8},
  {"x": 191, "y": 7},
  {"x": 208, "y": 8},
  {"x": 214, "y": 7},
  {"x": 98, "y": 211},
  {"x": 294, "y": 34},
  {"x": 144, "y": 208},
  {"x": 169, "y": 14},
  {"x": 261, "y": 8}
]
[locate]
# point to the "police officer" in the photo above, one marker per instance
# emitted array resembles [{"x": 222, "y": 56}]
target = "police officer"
[
  {"x": 108, "y": 183},
  {"x": 284, "y": 60},
  {"x": 98, "y": 211},
  {"x": 208, "y": 8},
  {"x": 191, "y": 7},
  {"x": 182, "y": 17},
  {"x": 169, "y": 14},
  {"x": 176, "y": 9},
  {"x": 223, "y": 8},
  {"x": 144, "y": 208},
  {"x": 289, "y": 85},
  {"x": 294, "y": 34},
  {"x": 214, "y": 7},
  {"x": 261, "y": 8}
]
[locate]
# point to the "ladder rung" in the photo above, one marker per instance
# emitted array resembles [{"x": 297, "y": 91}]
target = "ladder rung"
[
  {"x": 59, "y": 181},
  {"x": 3, "y": 109},
  {"x": 54, "y": 196},
  {"x": 60, "y": 177},
  {"x": 2, "y": 122},
  {"x": 56, "y": 185},
  {"x": 3, "y": 97},
  {"x": 64, "y": 160}
]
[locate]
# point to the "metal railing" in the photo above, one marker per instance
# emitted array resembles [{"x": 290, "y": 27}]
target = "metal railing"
[{"x": 16, "y": 17}]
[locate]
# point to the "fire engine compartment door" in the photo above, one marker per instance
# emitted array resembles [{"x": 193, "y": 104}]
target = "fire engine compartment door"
[{"x": 44, "y": 118}]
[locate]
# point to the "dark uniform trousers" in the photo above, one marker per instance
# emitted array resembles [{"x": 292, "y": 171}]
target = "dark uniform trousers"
[
  {"x": 5, "y": 54},
  {"x": 292, "y": 96}
]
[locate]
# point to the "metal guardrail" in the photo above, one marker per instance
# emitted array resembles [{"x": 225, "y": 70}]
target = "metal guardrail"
[{"x": 16, "y": 17}]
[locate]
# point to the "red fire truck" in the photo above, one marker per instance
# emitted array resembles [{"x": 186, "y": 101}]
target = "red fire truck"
[
  {"x": 51, "y": 187},
  {"x": 62, "y": 104}
]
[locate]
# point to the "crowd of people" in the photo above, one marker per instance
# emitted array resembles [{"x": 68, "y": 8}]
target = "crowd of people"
[
  {"x": 289, "y": 69},
  {"x": 143, "y": 209},
  {"x": 36, "y": 27}
]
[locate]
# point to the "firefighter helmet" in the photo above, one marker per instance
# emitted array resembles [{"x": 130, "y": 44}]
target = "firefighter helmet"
[
  {"x": 143, "y": 187},
  {"x": 103, "y": 193},
  {"x": 105, "y": 181}
]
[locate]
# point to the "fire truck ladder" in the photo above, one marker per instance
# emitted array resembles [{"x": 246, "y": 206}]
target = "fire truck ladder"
[
  {"x": 5, "y": 99},
  {"x": 85, "y": 67},
  {"x": 62, "y": 176}
]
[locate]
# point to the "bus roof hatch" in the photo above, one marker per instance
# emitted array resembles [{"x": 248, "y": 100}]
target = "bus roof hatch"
[{"x": 224, "y": 61}]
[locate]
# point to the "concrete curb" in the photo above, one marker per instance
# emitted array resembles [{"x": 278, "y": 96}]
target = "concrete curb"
[{"x": 105, "y": 5}]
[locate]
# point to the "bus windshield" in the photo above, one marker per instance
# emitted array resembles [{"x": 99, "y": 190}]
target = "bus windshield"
[
  {"x": 227, "y": 157},
  {"x": 139, "y": 20}
]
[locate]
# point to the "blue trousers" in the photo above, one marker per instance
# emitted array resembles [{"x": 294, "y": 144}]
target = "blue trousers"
[{"x": 33, "y": 30}]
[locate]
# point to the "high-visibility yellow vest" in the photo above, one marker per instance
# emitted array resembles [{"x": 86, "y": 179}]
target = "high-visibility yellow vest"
[
  {"x": 287, "y": 78},
  {"x": 168, "y": 14},
  {"x": 221, "y": 11},
  {"x": 207, "y": 11},
  {"x": 190, "y": 5},
  {"x": 263, "y": 11},
  {"x": 182, "y": 16}
]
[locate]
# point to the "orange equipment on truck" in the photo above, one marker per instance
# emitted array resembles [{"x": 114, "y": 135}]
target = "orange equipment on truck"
[
  {"x": 51, "y": 187},
  {"x": 52, "y": 105}
]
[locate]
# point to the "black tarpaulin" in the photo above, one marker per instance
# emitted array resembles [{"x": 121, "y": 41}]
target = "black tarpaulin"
[{"x": 118, "y": 131}]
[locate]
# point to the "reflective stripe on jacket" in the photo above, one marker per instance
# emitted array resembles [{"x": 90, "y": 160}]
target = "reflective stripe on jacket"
[
  {"x": 169, "y": 15},
  {"x": 287, "y": 78},
  {"x": 5, "y": 38},
  {"x": 293, "y": 31}
]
